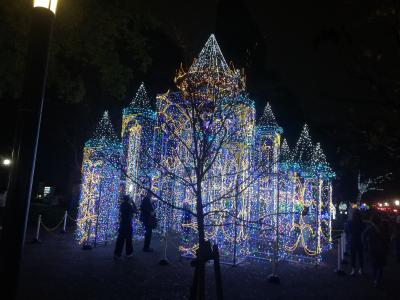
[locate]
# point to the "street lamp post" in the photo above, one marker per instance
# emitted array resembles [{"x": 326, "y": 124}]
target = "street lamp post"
[{"x": 26, "y": 139}]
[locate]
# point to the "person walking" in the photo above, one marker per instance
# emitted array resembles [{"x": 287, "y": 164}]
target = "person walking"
[
  {"x": 148, "y": 218},
  {"x": 127, "y": 209},
  {"x": 355, "y": 229},
  {"x": 376, "y": 248}
]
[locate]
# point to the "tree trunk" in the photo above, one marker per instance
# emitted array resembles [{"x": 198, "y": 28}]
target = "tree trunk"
[{"x": 201, "y": 274}]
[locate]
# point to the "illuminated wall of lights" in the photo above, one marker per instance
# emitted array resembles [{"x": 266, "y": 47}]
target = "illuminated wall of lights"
[
  {"x": 97, "y": 220},
  {"x": 257, "y": 191},
  {"x": 138, "y": 143}
]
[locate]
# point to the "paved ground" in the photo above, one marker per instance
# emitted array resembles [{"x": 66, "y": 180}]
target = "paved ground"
[{"x": 59, "y": 269}]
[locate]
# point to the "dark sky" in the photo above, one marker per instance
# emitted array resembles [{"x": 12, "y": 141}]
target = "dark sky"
[{"x": 315, "y": 82}]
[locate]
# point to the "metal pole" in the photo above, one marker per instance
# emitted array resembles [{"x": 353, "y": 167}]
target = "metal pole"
[
  {"x": 339, "y": 254},
  {"x": 98, "y": 207},
  {"x": 65, "y": 222},
  {"x": 164, "y": 261},
  {"x": 236, "y": 216},
  {"x": 217, "y": 273},
  {"x": 39, "y": 222},
  {"x": 319, "y": 208},
  {"x": 26, "y": 139},
  {"x": 339, "y": 270},
  {"x": 274, "y": 278}
]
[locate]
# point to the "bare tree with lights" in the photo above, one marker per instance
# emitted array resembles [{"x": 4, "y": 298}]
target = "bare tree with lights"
[
  {"x": 371, "y": 184},
  {"x": 203, "y": 168}
]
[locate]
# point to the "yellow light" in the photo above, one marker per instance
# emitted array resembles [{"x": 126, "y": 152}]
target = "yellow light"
[
  {"x": 49, "y": 4},
  {"x": 397, "y": 202}
]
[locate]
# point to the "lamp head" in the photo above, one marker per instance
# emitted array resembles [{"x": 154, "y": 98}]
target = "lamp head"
[
  {"x": 6, "y": 162},
  {"x": 49, "y": 4}
]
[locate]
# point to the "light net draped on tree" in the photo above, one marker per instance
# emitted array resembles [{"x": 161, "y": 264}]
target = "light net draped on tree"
[{"x": 253, "y": 188}]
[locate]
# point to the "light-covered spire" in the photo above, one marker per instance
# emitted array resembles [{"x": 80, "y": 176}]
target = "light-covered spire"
[
  {"x": 210, "y": 57},
  {"x": 268, "y": 118},
  {"x": 304, "y": 149},
  {"x": 318, "y": 157},
  {"x": 285, "y": 154},
  {"x": 319, "y": 162},
  {"x": 141, "y": 99},
  {"x": 105, "y": 130}
]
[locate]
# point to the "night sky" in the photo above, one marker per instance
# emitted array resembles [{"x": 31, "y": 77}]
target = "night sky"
[{"x": 288, "y": 62}]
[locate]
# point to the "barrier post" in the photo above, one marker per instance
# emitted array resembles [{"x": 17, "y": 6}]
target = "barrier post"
[
  {"x": 217, "y": 272},
  {"x": 164, "y": 261},
  {"x": 64, "y": 230},
  {"x": 39, "y": 222},
  {"x": 339, "y": 270},
  {"x": 343, "y": 237}
]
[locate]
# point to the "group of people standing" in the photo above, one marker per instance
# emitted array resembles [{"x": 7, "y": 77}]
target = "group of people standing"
[
  {"x": 125, "y": 231},
  {"x": 371, "y": 236}
]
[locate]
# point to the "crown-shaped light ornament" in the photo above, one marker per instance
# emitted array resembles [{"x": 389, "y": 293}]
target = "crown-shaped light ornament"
[{"x": 210, "y": 76}]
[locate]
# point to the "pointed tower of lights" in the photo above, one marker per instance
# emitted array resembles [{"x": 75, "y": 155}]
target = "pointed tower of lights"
[
  {"x": 210, "y": 76},
  {"x": 98, "y": 206},
  {"x": 141, "y": 99},
  {"x": 304, "y": 149},
  {"x": 285, "y": 154},
  {"x": 268, "y": 117},
  {"x": 267, "y": 141},
  {"x": 268, "y": 122},
  {"x": 138, "y": 142},
  {"x": 210, "y": 57},
  {"x": 104, "y": 133},
  {"x": 139, "y": 108},
  {"x": 319, "y": 162},
  {"x": 318, "y": 157}
]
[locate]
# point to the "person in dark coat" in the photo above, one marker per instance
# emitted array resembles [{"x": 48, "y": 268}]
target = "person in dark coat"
[
  {"x": 355, "y": 230},
  {"x": 127, "y": 209},
  {"x": 148, "y": 218},
  {"x": 377, "y": 248}
]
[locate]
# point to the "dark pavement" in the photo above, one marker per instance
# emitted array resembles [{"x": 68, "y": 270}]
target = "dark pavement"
[{"x": 59, "y": 269}]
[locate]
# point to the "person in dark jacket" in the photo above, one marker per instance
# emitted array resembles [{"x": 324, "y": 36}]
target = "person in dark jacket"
[
  {"x": 127, "y": 209},
  {"x": 355, "y": 229},
  {"x": 377, "y": 248},
  {"x": 148, "y": 218}
]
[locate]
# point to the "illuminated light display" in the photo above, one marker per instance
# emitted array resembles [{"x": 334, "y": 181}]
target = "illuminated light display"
[
  {"x": 210, "y": 75},
  {"x": 98, "y": 208},
  {"x": 255, "y": 192},
  {"x": 138, "y": 142}
]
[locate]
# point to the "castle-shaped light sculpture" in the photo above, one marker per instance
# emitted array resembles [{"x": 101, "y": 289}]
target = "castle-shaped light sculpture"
[{"x": 256, "y": 191}]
